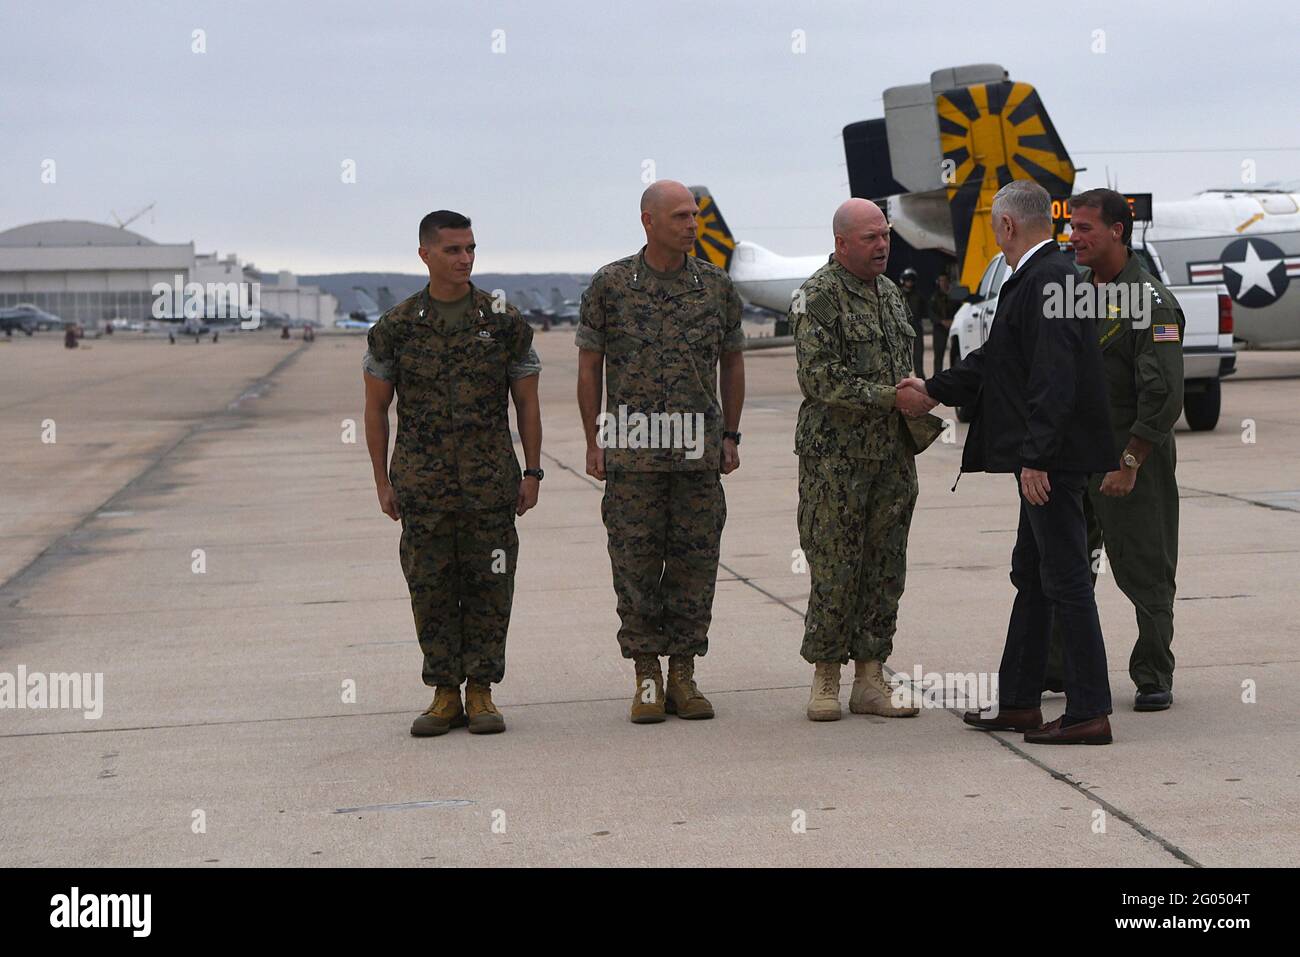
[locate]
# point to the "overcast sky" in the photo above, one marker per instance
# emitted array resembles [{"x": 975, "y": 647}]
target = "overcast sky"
[{"x": 543, "y": 144}]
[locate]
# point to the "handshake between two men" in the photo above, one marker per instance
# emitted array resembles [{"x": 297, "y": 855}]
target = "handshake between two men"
[{"x": 912, "y": 399}]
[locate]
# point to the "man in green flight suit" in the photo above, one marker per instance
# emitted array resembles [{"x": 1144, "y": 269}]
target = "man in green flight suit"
[
  {"x": 454, "y": 355},
  {"x": 1140, "y": 328}
]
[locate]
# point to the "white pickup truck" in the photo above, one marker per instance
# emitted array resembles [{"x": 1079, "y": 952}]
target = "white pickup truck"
[{"x": 1208, "y": 352}]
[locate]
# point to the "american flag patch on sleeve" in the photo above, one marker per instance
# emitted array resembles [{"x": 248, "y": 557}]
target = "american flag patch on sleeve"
[{"x": 1165, "y": 332}]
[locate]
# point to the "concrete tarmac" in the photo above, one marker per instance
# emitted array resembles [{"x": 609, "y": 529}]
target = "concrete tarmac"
[{"x": 201, "y": 532}]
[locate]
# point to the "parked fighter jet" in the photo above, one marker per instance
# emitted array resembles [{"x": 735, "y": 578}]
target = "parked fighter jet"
[
  {"x": 28, "y": 318},
  {"x": 362, "y": 318}
]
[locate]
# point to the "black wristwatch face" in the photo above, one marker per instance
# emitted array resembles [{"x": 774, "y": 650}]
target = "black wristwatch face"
[
  {"x": 734, "y": 436},
  {"x": 538, "y": 474}
]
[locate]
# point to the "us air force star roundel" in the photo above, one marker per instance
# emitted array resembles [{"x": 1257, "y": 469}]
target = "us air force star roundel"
[{"x": 1255, "y": 271}]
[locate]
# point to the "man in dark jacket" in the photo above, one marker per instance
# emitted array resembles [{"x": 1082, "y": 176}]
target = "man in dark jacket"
[{"x": 1039, "y": 392}]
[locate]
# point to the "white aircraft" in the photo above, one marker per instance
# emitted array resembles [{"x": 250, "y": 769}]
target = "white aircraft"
[
  {"x": 762, "y": 277},
  {"x": 1247, "y": 240}
]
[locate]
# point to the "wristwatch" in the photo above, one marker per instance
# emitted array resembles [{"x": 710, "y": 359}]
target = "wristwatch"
[
  {"x": 1129, "y": 460},
  {"x": 535, "y": 473},
  {"x": 734, "y": 436}
]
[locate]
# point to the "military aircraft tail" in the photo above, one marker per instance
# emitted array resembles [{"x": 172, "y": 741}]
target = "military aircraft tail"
[
  {"x": 713, "y": 240},
  {"x": 954, "y": 142},
  {"x": 386, "y": 300},
  {"x": 363, "y": 297},
  {"x": 991, "y": 134}
]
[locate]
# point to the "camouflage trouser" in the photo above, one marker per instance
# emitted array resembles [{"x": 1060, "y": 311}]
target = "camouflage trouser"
[
  {"x": 854, "y": 516},
  {"x": 665, "y": 529},
  {"x": 460, "y": 569}
]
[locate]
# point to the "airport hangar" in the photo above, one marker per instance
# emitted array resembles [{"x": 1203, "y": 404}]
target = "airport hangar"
[{"x": 90, "y": 273}]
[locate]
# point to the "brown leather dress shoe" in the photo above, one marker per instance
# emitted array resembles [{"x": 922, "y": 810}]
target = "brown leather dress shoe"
[
  {"x": 1092, "y": 731},
  {"x": 1006, "y": 719}
]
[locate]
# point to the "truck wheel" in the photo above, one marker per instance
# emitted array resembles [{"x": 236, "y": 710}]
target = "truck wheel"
[
  {"x": 964, "y": 413},
  {"x": 1202, "y": 408}
]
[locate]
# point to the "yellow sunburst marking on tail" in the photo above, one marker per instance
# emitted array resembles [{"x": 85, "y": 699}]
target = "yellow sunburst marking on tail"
[
  {"x": 994, "y": 143},
  {"x": 709, "y": 226}
]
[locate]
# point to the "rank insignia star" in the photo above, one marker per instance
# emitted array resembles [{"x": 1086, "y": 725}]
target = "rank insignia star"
[{"x": 1255, "y": 270}]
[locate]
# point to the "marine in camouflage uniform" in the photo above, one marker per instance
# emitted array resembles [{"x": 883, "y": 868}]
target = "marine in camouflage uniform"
[
  {"x": 662, "y": 336},
  {"x": 455, "y": 473}
]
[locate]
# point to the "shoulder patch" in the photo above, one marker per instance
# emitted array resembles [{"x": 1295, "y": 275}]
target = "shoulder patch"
[
  {"x": 1165, "y": 332},
  {"x": 821, "y": 303}
]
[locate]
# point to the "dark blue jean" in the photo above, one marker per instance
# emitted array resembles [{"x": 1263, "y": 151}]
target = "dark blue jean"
[{"x": 1051, "y": 569}]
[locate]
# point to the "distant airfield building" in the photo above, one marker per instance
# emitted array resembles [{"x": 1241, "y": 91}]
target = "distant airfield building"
[{"x": 90, "y": 273}]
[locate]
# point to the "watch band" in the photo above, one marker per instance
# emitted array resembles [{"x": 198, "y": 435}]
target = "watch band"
[
  {"x": 538, "y": 474},
  {"x": 734, "y": 436}
]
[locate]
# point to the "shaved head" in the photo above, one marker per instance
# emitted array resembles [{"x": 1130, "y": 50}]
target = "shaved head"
[
  {"x": 861, "y": 238},
  {"x": 668, "y": 214},
  {"x": 662, "y": 194},
  {"x": 855, "y": 215}
]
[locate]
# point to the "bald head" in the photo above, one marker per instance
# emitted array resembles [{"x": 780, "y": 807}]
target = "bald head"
[
  {"x": 668, "y": 214},
  {"x": 856, "y": 215},
  {"x": 861, "y": 238},
  {"x": 664, "y": 193}
]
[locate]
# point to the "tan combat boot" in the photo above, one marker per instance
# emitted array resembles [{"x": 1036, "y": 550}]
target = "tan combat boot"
[
  {"x": 648, "y": 701},
  {"x": 444, "y": 714},
  {"x": 824, "y": 702},
  {"x": 682, "y": 697},
  {"x": 484, "y": 718},
  {"x": 872, "y": 694}
]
